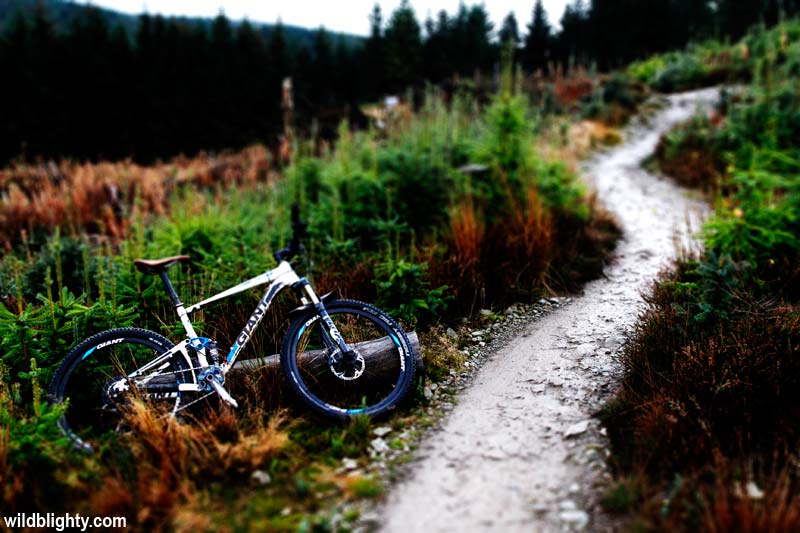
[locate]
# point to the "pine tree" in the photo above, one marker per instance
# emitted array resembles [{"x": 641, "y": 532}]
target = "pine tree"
[
  {"x": 437, "y": 48},
  {"x": 574, "y": 36},
  {"x": 375, "y": 55},
  {"x": 321, "y": 74},
  {"x": 478, "y": 49},
  {"x": 277, "y": 51},
  {"x": 509, "y": 30},
  {"x": 403, "y": 48},
  {"x": 538, "y": 40}
]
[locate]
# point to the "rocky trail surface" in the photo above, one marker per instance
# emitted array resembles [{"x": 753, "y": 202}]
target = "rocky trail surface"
[{"x": 521, "y": 450}]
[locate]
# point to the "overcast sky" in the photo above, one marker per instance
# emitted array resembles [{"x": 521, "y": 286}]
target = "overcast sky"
[{"x": 347, "y": 16}]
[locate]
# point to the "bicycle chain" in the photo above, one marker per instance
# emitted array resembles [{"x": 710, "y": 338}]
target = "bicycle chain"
[
  {"x": 203, "y": 397},
  {"x": 183, "y": 370}
]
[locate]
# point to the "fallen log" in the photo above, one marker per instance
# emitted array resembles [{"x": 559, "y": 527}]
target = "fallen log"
[{"x": 377, "y": 355}]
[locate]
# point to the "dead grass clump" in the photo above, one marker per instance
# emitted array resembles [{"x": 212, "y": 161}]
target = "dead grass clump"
[
  {"x": 750, "y": 503},
  {"x": 698, "y": 168},
  {"x": 168, "y": 461},
  {"x": 467, "y": 236},
  {"x": 101, "y": 198},
  {"x": 729, "y": 495},
  {"x": 571, "y": 142},
  {"x": 253, "y": 448},
  {"x": 734, "y": 388},
  {"x": 533, "y": 225},
  {"x": 689, "y": 155},
  {"x": 440, "y": 353},
  {"x": 570, "y": 90},
  {"x": 213, "y": 443},
  {"x": 468, "y": 230},
  {"x": 532, "y": 249}
]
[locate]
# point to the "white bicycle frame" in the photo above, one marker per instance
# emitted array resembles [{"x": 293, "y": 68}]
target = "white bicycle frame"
[{"x": 279, "y": 278}]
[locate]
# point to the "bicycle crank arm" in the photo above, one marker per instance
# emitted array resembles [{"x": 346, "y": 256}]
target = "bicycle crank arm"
[
  {"x": 183, "y": 387},
  {"x": 191, "y": 387},
  {"x": 225, "y": 395}
]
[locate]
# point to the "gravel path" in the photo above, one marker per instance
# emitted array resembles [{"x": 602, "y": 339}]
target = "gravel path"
[{"x": 521, "y": 451}]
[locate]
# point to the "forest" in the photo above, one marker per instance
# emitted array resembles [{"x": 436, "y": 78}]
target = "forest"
[{"x": 174, "y": 86}]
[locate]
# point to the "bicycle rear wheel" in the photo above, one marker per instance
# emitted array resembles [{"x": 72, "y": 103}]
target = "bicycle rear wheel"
[
  {"x": 91, "y": 380},
  {"x": 370, "y": 380}
]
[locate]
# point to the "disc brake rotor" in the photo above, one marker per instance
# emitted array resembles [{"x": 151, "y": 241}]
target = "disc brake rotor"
[{"x": 347, "y": 368}]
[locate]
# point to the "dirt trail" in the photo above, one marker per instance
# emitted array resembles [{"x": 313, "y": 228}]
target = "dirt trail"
[{"x": 521, "y": 451}]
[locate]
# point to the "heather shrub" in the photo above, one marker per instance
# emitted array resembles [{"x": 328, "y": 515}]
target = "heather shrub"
[
  {"x": 706, "y": 414},
  {"x": 689, "y": 153}
]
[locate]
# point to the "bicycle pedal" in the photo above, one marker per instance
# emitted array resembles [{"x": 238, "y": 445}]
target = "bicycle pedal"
[{"x": 224, "y": 394}]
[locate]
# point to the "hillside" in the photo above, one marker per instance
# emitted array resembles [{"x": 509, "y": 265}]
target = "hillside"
[
  {"x": 64, "y": 15},
  {"x": 209, "y": 84}
]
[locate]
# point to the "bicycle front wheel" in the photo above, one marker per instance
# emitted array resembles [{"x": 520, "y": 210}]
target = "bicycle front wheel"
[
  {"x": 371, "y": 379},
  {"x": 92, "y": 381}
]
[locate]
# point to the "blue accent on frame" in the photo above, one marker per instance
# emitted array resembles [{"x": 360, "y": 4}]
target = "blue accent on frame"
[
  {"x": 88, "y": 352},
  {"x": 202, "y": 340},
  {"x": 234, "y": 348}
]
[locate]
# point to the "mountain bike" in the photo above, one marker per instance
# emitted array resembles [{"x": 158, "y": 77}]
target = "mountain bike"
[{"x": 342, "y": 357}]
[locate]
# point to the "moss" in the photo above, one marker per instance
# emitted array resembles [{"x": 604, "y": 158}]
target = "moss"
[{"x": 366, "y": 487}]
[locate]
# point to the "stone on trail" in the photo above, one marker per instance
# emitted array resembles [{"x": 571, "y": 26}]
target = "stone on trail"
[
  {"x": 575, "y": 519},
  {"x": 349, "y": 464},
  {"x": 261, "y": 477},
  {"x": 381, "y": 431},
  {"x": 379, "y": 445},
  {"x": 579, "y": 428}
]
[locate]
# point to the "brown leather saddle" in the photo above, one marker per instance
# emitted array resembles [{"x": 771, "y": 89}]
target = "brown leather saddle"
[{"x": 157, "y": 266}]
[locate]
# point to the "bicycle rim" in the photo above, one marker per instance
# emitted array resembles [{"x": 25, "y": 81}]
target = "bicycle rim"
[
  {"x": 95, "y": 407},
  {"x": 336, "y": 387}
]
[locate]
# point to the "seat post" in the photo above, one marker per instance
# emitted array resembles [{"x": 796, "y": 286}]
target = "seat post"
[{"x": 171, "y": 289}]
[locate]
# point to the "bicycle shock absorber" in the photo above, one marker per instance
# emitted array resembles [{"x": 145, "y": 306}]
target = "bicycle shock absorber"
[
  {"x": 212, "y": 376},
  {"x": 213, "y": 352},
  {"x": 210, "y": 347}
]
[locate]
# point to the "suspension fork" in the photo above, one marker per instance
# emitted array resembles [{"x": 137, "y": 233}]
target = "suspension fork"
[{"x": 332, "y": 336}]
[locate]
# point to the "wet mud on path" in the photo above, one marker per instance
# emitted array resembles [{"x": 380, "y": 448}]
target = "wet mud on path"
[{"x": 520, "y": 451}]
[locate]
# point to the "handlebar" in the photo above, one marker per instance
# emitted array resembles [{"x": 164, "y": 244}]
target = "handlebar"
[{"x": 298, "y": 232}]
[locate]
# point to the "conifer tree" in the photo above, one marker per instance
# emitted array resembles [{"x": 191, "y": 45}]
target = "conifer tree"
[
  {"x": 375, "y": 55},
  {"x": 574, "y": 36},
  {"x": 403, "y": 48},
  {"x": 277, "y": 51},
  {"x": 319, "y": 78},
  {"x": 477, "y": 48},
  {"x": 538, "y": 40},
  {"x": 509, "y": 31}
]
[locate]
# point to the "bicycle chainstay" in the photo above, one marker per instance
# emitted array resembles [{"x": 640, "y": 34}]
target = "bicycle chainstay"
[{"x": 194, "y": 370}]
